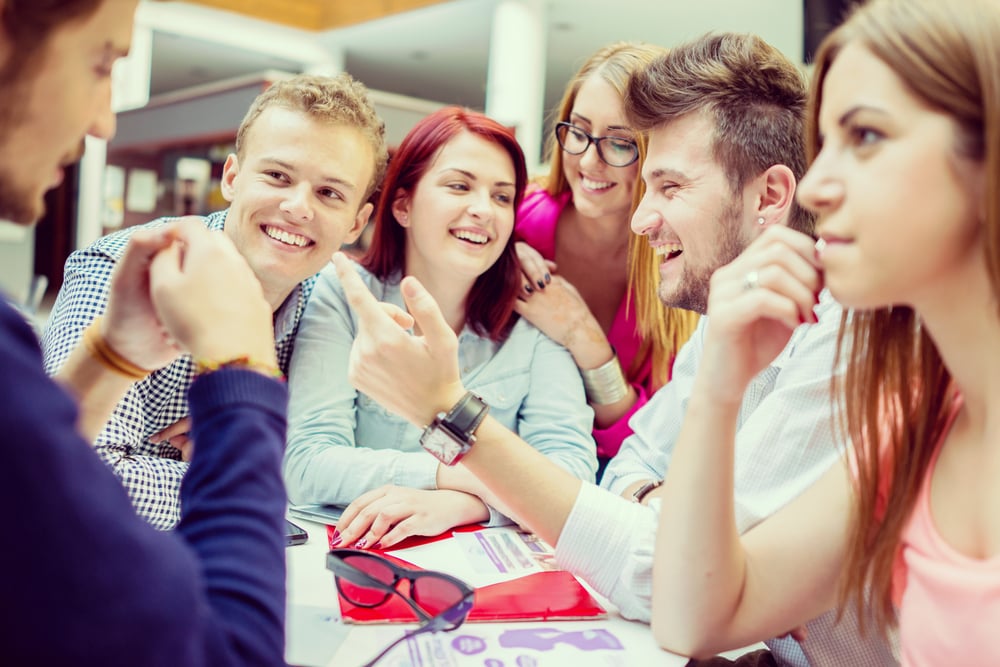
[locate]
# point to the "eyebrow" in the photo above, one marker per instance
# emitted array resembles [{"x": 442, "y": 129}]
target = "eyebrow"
[
  {"x": 471, "y": 176},
  {"x": 324, "y": 179},
  {"x": 622, "y": 128},
  {"x": 846, "y": 117},
  {"x": 665, "y": 172}
]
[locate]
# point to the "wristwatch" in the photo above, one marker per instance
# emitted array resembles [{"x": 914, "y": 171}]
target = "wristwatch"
[
  {"x": 644, "y": 490},
  {"x": 450, "y": 435}
]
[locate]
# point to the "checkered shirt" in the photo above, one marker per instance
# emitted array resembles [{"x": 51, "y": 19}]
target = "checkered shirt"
[{"x": 151, "y": 473}]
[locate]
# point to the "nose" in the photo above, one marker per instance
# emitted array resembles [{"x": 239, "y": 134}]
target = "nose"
[
  {"x": 297, "y": 202},
  {"x": 590, "y": 158},
  {"x": 481, "y": 204},
  {"x": 646, "y": 219},
  {"x": 819, "y": 191},
  {"x": 103, "y": 123}
]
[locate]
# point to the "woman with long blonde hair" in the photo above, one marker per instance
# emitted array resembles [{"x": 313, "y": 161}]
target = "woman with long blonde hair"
[{"x": 588, "y": 284}]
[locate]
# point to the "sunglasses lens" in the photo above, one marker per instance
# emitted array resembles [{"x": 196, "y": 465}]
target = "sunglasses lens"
[
  {"x": 435, "y": 595},
  {"x": 365, "y": 595}
]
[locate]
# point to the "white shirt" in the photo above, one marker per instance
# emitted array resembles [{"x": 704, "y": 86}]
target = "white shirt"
[{"x": 784, "y": 442}]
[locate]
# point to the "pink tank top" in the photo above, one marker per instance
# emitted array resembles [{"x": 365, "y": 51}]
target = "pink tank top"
[{"x": 949, "y": 613}]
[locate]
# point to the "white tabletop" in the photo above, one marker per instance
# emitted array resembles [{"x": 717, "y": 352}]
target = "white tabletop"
[{"x": 317, "y": 637}]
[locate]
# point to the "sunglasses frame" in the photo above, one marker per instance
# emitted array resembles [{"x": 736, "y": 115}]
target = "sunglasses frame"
[{"x": 336, "y": 563}]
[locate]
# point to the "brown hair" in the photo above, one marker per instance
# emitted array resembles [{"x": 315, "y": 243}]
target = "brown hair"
[
  {"x": 28, "y": 24},
  {"x": 896, "y": 392},
  {"x": 340, "y": 100},
  {"x": 663, "y": 330},
  {"x": 754, "y": 94}
]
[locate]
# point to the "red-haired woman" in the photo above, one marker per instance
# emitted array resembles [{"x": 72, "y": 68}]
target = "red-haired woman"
[{"x": 446, "y": 215}]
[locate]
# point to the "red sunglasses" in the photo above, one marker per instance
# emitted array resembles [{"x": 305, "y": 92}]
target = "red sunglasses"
[{"x": 366, "y": 579}]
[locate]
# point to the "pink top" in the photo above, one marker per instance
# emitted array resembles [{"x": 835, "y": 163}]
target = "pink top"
[
  {"x": 949, "y": 603},
  {"x": 536, "y": 225}
]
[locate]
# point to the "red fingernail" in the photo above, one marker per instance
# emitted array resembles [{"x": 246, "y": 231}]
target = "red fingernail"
[
  {"x": 360, "y": 544},
  {"x": 377, "y": 545},
  {"x": 335, "y": 541}
]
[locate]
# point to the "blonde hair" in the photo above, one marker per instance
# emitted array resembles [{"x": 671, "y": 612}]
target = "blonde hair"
[
  {"x": 340, "y": 100},
  {"x": 663, "y": 330},
  {"x": 896, "y": 393}
]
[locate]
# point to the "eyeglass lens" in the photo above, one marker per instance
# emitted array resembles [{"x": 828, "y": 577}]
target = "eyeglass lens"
[
  {"x": 616, "y": 151},
  {"x": 434, "y": 595}
]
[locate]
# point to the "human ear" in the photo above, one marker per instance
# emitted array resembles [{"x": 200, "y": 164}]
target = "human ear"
[
  {"x": 229, "y": 173},
  {"x": 776, "y": 196},
  {"x": 360, "y": 220},
  {"x": 401, "y": 208}
]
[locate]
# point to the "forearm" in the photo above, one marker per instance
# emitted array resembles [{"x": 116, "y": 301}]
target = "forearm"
[
  {"x": 460, "y": 478},
  {"x": 233, "y": 509},
  {"x": 608, "y": 414},
  {"x": 537, "y": 492},
  {"x": 322, "y": 472},
  {"x": 97, "y": 390},
  {"x": 699, "y": 567}
]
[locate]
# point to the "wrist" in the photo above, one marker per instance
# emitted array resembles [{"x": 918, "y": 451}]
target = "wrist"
[
  {"x": 95, "y": 342},
  {"x": 267, "y": 366},
  {"x": 605, "y": 384}
]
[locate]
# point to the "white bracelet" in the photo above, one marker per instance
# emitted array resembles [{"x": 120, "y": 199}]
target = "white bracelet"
[{"x": 605, "y": 384}]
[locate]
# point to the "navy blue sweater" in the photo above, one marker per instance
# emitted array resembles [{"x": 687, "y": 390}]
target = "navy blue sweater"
[{"x": 87, "y": 582}]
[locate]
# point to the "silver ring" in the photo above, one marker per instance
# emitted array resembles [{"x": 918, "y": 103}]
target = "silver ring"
[{"x": 751, "y": 281}]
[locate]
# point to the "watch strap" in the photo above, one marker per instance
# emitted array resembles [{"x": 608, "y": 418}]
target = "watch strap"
[
  {"x": 645, "y": 490},
  {"x": 465, "y": 416}
]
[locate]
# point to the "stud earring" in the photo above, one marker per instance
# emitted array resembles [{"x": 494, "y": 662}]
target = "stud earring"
[{"x": 760, "y": 221}]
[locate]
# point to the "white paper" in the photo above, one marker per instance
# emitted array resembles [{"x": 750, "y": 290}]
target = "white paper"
[
  {"x": 580, "y": 644},
  {"x": 485, "y": 557}
]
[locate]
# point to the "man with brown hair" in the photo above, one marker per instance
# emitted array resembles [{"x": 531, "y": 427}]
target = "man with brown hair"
[
  {"x": 85, "y": 581},
  {"x": 724, "y": 116},
  {"x": 309, "y": 153}
]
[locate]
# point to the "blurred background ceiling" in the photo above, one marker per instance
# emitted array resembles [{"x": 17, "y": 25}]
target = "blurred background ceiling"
[{"x": 432, "y": 49}]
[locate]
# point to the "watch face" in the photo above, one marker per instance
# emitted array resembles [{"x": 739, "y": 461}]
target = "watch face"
[{"x": 438, "y": 442}]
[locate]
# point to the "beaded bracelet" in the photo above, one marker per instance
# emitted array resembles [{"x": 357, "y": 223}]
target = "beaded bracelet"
[
  {"x": 605, "y": 384},
  {"x": 105, "y": 355},
  {"x": 202, "y": 366}
]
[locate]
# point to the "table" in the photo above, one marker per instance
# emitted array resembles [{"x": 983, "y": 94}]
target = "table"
[{"x": 315, "y": 631}]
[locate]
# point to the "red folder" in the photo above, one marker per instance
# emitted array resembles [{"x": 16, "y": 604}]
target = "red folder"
[{"x": 541, "y": 596}]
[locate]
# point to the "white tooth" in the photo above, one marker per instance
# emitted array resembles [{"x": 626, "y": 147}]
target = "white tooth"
[
  {"x": 668, "y": 248},
  {"x": 286, "y": 237},
  {"x": 471, "y": 236},
  {"x": 596, "y": 185}
]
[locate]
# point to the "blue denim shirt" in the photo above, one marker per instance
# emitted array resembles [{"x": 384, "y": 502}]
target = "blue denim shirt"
[{"x": 341, "y": 443}]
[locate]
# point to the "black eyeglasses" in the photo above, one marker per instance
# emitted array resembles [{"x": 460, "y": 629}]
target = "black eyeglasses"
[
  {"x": 368, "y": 580},
  {"x": 615, "y": 151}
]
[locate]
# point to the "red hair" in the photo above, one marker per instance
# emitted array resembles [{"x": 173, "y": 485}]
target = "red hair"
[{"x": 490, "y": 305}]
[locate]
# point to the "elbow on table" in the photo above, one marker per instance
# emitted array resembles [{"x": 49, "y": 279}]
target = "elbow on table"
[{"x": 687, "y": 636}]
